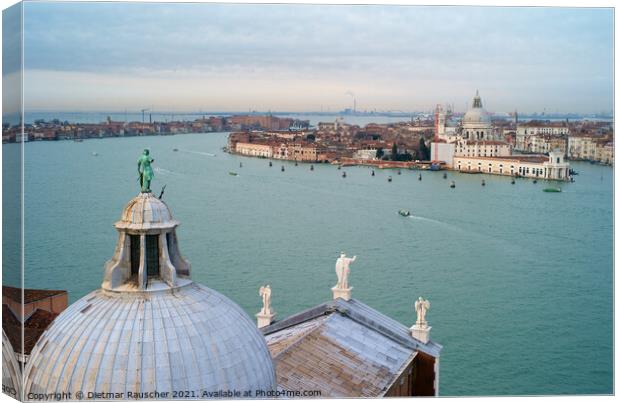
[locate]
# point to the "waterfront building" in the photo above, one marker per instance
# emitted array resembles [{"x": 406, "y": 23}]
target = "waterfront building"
[
  {"x": 591, "y": 147},
  {"x": 150, "y": 328},
  {"x": 254, "y": 149},
  {"x": 531, "y": 166},
  {"x": 365, "y": 154},
  {"x": 483, "y": 148},
  {"x": 541, "y": 137}
]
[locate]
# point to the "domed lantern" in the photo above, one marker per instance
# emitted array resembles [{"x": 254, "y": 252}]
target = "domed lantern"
[
  {"x": 147, "y": 251},
  {"x": 150, "y": 332}
]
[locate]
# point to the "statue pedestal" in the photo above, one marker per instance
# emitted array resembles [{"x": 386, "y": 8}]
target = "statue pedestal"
[
  {"x": 421, "y": 333},
  {"x": 264, "y": 319},
  {"x": 344, "y": 293}
]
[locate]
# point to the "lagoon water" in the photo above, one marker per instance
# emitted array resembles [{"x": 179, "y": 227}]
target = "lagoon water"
[{"x": 520, "y": 281}]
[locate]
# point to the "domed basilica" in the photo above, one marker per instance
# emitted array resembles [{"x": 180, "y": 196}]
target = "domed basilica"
[
  {"x": 476, "y": 124},
  {"x": 149, "y": 331}
]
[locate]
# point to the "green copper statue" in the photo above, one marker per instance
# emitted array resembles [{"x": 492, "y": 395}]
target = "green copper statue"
[{"x": 145, "y": 172}]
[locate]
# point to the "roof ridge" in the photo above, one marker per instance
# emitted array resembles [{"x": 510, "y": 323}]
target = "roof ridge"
[
  {"x": 408, "y": 342},
  {"x": 301, "y": 317},
  {"x": 298, "y": 341}
]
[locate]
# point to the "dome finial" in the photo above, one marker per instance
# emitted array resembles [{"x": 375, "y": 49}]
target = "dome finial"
[
  {"x": 477, "y": 101},
  {"x": 145, "y": 171}
]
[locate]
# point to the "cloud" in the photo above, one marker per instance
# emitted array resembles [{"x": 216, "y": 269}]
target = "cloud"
[{"x": 373, "y": 50}]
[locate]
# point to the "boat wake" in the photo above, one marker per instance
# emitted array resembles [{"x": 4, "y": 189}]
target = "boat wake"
[
  {"x": 443, "y": 224},
  {"x": 198, "y": 152},
  {"x": 164, "y": 171}
]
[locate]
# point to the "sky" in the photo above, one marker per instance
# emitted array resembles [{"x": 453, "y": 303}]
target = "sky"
[{"x": 232, "y": 57}]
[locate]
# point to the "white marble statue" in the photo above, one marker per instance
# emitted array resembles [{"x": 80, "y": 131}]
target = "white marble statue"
[
  {"x": 265, "y": 292},
  {"x": 342, "y": 270},
  {"x": 421, "y": 306}
]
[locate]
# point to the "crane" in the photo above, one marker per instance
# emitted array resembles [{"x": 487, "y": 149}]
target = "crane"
[
  {"x": 144, "y": 110},
  {"x": 435, "y": 162}
]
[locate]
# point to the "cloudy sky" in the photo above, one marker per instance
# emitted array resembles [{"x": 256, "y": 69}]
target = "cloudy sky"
[{"x": 227, "y": 57}]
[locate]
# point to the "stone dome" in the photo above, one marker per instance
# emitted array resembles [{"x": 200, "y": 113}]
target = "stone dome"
[
  {"x": 150, "y": 328},
  {"x": 476, "y": 115},
  {"x": 11, "y": 371},
  {"x": 190, "y": 338},
  {"x": 146, "y": 211}
]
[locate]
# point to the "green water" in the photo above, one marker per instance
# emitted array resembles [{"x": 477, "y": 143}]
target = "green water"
[{"x": 520, "y": 281}]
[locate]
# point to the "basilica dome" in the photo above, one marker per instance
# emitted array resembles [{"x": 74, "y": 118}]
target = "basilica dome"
[
  {"x": 476, "y": 115},
  {"x": 150, "y": 331}
]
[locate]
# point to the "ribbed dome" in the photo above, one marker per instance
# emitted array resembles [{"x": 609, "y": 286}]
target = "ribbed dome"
[
  {"x": 146, "y": 211},
  {"x": 11, "y": 372},
  {"x": 476, "y": 115},
  {"x": 187, "y": 338}
]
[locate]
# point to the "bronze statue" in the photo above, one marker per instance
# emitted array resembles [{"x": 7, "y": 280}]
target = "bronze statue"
[{"x": 145, "y": 171}]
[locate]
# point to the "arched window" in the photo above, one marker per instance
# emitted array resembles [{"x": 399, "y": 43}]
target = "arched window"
[{"x": 152, "y": 254}]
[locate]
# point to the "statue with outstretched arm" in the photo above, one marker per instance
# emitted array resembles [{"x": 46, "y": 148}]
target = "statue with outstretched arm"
[
  {"x": 145, "y": 171},
  {"x": 342, "y": 270}
]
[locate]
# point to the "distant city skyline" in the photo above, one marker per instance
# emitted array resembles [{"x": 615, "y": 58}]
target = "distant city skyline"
[{"x": 234, "y": 57}]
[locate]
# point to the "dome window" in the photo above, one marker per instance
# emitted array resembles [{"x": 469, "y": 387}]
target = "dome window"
[{"x": 152, "y": 255}]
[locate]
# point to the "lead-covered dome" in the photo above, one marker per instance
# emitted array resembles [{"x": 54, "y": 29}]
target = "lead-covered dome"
[
  {"x": 189, "y": 339},
  {"x": 150, "y": 328},
  {"x": 476, "y": 115},
  {"x": 11, "y": 370},
  {"x": 146, "y": 211}
]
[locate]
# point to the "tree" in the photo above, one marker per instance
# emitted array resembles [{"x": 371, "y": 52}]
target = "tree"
[
  {"x": 424, "y": 151},
  {"x": 380, "y": 152},
  {"x": 394, "y": 151}
]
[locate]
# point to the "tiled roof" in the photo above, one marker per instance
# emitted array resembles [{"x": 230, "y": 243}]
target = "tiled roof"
[
  {"x": 30, "y": 295},
  {"x": 34, "y": 327},
  {"x": 342, "y": 348}
]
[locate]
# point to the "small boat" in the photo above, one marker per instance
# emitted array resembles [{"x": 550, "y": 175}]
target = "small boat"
[
  {"x": 512, "y": 182},
  {"x": 445, "y": 175},
  {"x": 231, "y": 173},
  {"x": 420, "y": 177},
  {"x": 339, "y": 166},
  {"x": 270, "y": 164},
  {"x": 344, "y": 174},
  {"x": 404, "y": 213},
  {"x": 535, "y": 181},
  {"x": 372, "y": 173},
  {"x": 483, "y": 184},
  {"x": 452, "y": 185},
  {"x": 312, "y": 167},
  {"x": 175, "y": 149},
  {"x": 295, "y": 163},
  {"x": 95, "y": 154},
  {"x": 552, "y": 190},
  {"x": 78, "y": 140},
  {"x": 282, "y": 169},
  {"x": 389, "y": 179},
  {"x": 398, "y": 172},
  {"x": 241, "y": 165}
]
